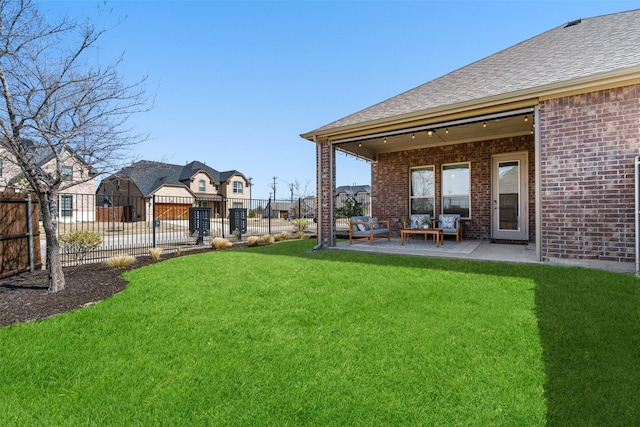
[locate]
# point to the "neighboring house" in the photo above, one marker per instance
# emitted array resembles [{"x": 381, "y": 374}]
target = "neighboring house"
[
  {"x": 536, "y": 143},
  {"x": 177, "y": 188},
  {"x": 358, "y": 194},
  {"x": 78, "y": 177}
]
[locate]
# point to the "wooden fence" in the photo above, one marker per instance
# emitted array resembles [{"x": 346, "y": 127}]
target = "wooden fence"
[{"x": 17, "y": 236}]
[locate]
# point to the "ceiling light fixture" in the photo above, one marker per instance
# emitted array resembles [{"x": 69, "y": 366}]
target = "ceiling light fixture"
[
  {"x": 484, "y": 124},
  {"x": 430, "y": 132},
  {"x": 526, "y": 118}
]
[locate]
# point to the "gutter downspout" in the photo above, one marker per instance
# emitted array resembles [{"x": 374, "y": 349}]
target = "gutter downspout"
[
  {"x": 637, "y": 213},
  {"x": 538, "y": 182}
]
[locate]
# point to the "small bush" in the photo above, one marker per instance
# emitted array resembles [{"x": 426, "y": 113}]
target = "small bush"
[
  {"x": 254, "y": 240},
  {"x": 277, "y": 237},
  {"x": 178, "y": 251},
  {"x": 300, "y": 234},
  {"x": 121, "y": 261},
  {"x": 285, "y": 235},
  {"x": 79, "y": 243},
  {"x": 268, "y": 239},
  {"x": 299, "y": 224},
  {"x": 220, "y": 243},
  {"x": 235, "y": 235},
  {"x": 155, "y": 253}
]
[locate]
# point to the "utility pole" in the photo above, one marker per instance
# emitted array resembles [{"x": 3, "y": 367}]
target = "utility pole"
[{"x": 274, "y": 187}]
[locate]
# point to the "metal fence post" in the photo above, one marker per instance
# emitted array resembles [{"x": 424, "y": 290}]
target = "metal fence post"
[{"x": 153, "y": 219}]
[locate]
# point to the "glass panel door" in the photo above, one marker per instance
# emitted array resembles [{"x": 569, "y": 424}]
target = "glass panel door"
[
  {"x": 510, "y": 216},
  {"x": 508, "y": 195}
]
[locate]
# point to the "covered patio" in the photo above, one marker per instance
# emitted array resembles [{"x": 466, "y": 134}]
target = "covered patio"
[{"x": 542, "y": 160}]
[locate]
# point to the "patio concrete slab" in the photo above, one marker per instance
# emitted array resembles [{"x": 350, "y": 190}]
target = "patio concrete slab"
[{"x": 466, "y": 249}]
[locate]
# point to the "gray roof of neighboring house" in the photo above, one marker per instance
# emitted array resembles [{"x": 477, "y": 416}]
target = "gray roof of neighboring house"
[
  {"x": 148, "y": 176},
  {"x": 353, "y": 189},
  {"x": 574, "y": 50}
]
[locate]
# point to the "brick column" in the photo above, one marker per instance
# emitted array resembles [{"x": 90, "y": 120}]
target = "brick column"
[{"x": 325, "y": 179}]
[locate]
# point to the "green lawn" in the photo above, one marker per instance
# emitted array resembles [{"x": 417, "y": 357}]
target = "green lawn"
[{"x": 279, "y": 336}]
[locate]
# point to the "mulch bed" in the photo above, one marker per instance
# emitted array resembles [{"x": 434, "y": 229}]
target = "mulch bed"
[{"x": 25, "y": 296}]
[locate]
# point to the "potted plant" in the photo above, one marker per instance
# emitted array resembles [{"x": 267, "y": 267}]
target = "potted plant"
[{"x": 425, "y": 222}]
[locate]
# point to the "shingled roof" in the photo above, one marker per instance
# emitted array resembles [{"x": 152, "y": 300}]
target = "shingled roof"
[
  {"x": 148, "y": 176},
  {"x": 581, "y": 49}
]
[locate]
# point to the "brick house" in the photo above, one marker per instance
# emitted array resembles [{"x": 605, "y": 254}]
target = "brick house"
[
  {"x": 178, "y": 188},
  {"x": 536, "y": 143},
  {"x": 78, "y": 178}
]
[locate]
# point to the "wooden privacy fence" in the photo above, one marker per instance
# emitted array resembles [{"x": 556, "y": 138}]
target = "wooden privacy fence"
[{"x": 19, "y": 237}]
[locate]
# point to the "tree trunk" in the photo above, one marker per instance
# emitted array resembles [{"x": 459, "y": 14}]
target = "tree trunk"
[{"x": 49, "y": 203}]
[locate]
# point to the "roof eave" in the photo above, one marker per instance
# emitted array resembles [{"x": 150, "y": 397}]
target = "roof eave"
[{"x": 487, "y": 105}]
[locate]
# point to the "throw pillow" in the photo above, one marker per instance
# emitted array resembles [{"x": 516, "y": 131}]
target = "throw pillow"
[
  {"x": 361, "y": 227},
  {"x": 448, "y": 221},
  {"x": 375, "y": 223}
]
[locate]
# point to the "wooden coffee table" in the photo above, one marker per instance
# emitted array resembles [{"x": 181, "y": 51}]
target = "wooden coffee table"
[{"x": 437, "y": 234}]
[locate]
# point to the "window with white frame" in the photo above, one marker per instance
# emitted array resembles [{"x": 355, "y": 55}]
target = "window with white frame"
[
  {"x": 66, "y": 173},
  {"x": 456, "y": 184},
  {"x": 66, "y": 205},
  {"x": 422, "y": 191},
  {"x": 201, "y": 185},
  {"x": 237, "y": 187}
]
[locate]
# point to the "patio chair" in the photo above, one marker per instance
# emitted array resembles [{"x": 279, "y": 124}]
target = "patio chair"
[{"x": 450, "y": 224}]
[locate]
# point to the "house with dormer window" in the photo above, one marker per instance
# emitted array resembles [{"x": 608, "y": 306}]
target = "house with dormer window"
[{"x": 177, "y": 188}]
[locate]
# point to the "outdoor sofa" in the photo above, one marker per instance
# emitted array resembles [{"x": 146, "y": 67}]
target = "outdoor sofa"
[{"x": 364, "y": 227}]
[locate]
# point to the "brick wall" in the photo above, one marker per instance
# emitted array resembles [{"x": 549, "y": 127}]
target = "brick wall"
[
  {"x": 588, "y": 146},
  {"x": 390, "y": 181},
  {"x": 326, "y": 178}
]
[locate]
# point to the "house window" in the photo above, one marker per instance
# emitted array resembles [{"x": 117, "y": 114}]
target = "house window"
[
  {"x": 201, "y": 185},
  {"x": 422, "y": 192},
  {"x": 237, "y": 205},
  {"x": 237, "y": 187},
  {"x": 66, "y": 205},
  {"x": 456, "y": 181},
  {"x": 66, "y": 173}
]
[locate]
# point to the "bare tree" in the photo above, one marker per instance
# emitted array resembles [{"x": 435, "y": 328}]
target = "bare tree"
[{"x": 54, "y": 97}]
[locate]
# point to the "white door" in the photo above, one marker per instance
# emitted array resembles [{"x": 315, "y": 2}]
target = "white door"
[{"x": 510, "y": 214}]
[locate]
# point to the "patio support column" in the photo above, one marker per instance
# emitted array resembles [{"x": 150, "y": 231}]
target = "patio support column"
[
  {"x": 538, "y": 181},
  {"x": 325, "y": 179}
]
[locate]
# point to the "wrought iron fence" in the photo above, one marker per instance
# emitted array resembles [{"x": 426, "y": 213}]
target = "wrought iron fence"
[{"x": 131, "y": 225}]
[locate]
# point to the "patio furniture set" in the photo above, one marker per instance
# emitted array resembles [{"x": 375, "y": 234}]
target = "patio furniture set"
[{"x": 364, "y": 227}]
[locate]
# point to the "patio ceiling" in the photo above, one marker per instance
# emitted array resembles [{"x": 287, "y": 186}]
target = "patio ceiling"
[{"x": 503, "y": 125}]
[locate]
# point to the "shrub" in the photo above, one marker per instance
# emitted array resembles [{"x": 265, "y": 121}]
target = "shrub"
[
  {"x": 268, "y": 239},
  {"x": 254, "y": 240},
  {"x": 79, "y": 243},
  {"x": 178, "y": 251},
  {"x": 220, "y": 243},
  {"x": 277, "y": 237},
  {"x": 299, "y": 224},
  {"x": 300, "y": 234},
  {"x": 235, "y": 235},
  {"x": 155, "y": 253},
  {"x": 120, "y": 261},
  {"x": 285, "y": 235}
]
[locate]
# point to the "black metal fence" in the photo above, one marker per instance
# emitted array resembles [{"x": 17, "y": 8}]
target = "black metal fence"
[{"x": 130, "y": 225}]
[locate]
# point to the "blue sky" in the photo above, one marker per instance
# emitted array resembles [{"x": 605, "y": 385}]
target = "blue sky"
[{"x": 236, "y": 82}]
